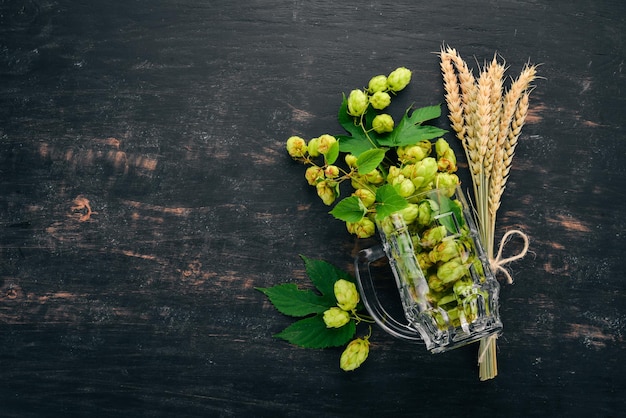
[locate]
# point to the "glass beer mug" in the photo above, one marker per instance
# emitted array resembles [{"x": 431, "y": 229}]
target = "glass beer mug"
[{"x": 448, "y": 292}]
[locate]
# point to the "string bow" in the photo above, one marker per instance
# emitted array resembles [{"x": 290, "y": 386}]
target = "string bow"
[{"x": 498, "y": 263}]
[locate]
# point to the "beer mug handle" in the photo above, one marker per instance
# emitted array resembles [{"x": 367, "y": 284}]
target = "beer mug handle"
[{"x": 368, "y": 293}]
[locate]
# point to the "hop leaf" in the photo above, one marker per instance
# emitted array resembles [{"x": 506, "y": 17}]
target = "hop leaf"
[
  {"x": 350, "y": 209},
  {"x": 324, "y": 275},
  {"x": 290, "y": 300},
  {"x": 312, "y": 333},
  {"x": 410, "y": 130},
  {"x": 370, "y": 159},
  {"x": 388, "y": 201}
]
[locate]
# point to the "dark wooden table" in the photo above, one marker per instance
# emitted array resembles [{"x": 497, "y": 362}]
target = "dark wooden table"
[{"x": 145, "y": 192}]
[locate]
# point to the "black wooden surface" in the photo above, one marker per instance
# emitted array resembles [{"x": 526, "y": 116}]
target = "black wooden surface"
[{"x": 145, "y": 192}]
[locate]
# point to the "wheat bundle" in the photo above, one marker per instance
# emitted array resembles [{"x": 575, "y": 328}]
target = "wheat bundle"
[{"x": 488, "y": 120}]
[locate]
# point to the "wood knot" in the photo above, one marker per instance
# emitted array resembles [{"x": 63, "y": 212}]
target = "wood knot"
[{"x": 82, "y": 209}]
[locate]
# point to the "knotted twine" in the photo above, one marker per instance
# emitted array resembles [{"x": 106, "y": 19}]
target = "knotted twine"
[{"x": 497, "y": 264}]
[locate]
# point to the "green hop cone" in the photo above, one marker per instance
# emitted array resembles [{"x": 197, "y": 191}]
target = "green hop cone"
[
  {"x": 446, "y": 158},
  {"x": 409, "y": 213},
  {"x": 364, "y": 228},
  {"x": 464, "y": 288},
  {"x": 374, "y": 177},
  {"x": 433, "y": 236},
  {"x": 367, "y": 197},
  {"x": 435, "y": 283},
  {"x": 327, "y": 191},
  {"x": 357, "y": 103},
  {"x": 351, "y": 160},
  {"x": 296, "y": 147},
  {"x": 404, "y": 187},
  {"x": 424, "y": 261},
  {"x": 325, "y": 143},
  {"x": 312, "y": 147},
  {"x": 399, "y": 79},
  {"x": 451, "y": 271},
  {"x": 383, "y": 123},
  {"x": 346, "y": 294},
  {"x": 380, "y": 100},
  {"x": 331, "y": 171},
  {"x": 355, "y": 354},
  {"x": 445, "y": 251},
  {"x": 336, "y": 317},
  {"x": 447, "y": 182},
  {"x": 394, "y": 174},
  {"x": 425, "y": 213},
  {"x": 377, "y": 83},
  {"x": 314, "y": 175},
  {"x": 414, "y": 153},
  {"x": 423, "y": 172},
  {"x": 442, "y": 147}
]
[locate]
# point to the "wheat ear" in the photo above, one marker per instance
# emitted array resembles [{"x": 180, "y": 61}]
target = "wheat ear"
[
  {"x": 510, "y": 101},
  {"x": 502, "y": 168},
  {"x": 453, "y": 97},
  {"x": 495, "y": 71},
  {"x": 469, "y": 90},
  {"x": 515, "y": 131}
]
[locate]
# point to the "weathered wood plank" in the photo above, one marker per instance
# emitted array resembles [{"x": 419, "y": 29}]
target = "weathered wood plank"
[{"x": 145, "y": 193}]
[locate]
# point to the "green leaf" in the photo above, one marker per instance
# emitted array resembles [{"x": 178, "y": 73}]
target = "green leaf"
[
  {"x": 370, "y": 159},
  {"x": 313, "y": 333},
  {"x": 424, "y": 114},
  {"x": 388, "y": 201},
  {"x": 332, "y": 154},
  {"x": 419, "y": 133},
  {"x": 290, "y": 300},
  {"x": 410, "y": 130},
  {"x": 355, "y": 145},
  {"x": 350, "y": 209},
  {"x": 446, "y": 205},
  {"x": 324, "y": 275}
]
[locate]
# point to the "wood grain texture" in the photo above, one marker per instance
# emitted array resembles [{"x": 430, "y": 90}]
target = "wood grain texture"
[{"x": 145, "y": 192}]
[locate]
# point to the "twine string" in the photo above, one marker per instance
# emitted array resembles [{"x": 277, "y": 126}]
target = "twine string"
[{"x": 498, "y": 263}]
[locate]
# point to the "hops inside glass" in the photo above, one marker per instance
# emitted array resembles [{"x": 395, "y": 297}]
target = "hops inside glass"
[{"x": 448, "y": 293}]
